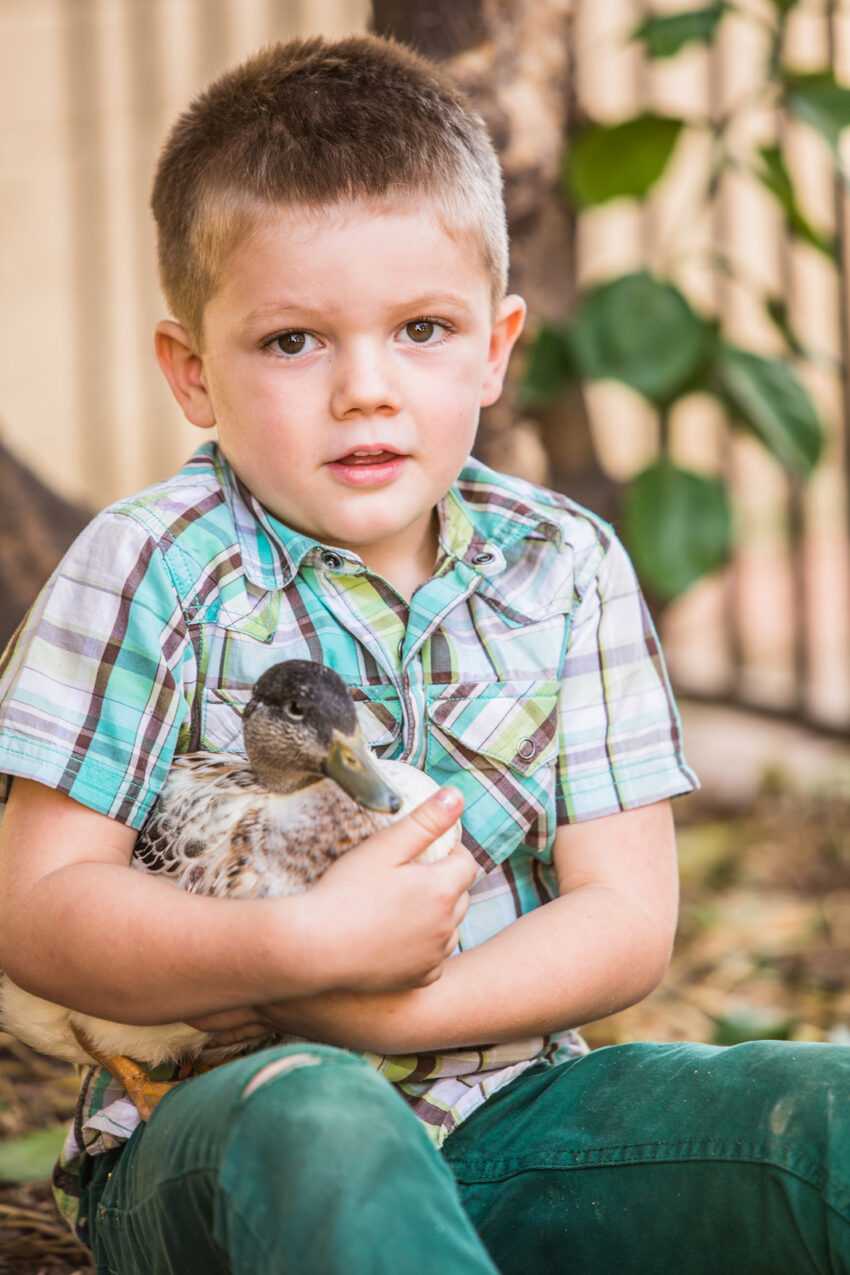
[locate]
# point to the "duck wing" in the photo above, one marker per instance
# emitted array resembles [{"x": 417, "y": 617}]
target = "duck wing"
[{"x": 216, "y": 829}]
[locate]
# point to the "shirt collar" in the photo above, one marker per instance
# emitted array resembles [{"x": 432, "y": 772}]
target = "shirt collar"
[
  {"x": 272, "y": 553},
  {"x": 481, "y": 518},
  {"x": 499, "y": 510}
]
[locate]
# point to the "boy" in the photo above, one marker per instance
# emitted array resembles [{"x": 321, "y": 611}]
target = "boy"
[{"x": 333, "y": 249}]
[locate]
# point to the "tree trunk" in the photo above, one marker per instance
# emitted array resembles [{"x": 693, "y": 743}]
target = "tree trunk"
[
  {"x": 514, "y": 60},
  {"x": 36, "y": 527}
]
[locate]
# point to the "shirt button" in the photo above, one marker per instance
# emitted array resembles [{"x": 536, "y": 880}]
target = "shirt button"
[
  {"x": 527, "y": 749},
  {"x": 481, "y": 559},
  {"x": 332, "y": 561}
]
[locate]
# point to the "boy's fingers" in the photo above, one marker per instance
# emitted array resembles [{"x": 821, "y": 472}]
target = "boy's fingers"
[
  {"x": 238, "y": 1035},
  {"x": 461, "y": 908},
  {"x": 427, "y": 822},
  {"x": 232, "y": 1026},
  {"x": 226, "y": 1020},
  {"x": 459, "y": 863}
]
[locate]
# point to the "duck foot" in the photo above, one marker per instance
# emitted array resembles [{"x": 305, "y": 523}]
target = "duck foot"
[{"x": 144, "y": 1093}]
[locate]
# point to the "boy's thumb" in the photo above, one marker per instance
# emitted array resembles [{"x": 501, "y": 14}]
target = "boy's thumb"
[{"x": 427, "y": 822}]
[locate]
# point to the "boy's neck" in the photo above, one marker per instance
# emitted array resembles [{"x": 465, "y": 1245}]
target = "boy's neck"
[{"x": 405, "y": 565}]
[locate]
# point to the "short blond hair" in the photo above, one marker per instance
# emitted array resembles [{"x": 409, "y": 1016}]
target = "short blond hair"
[{"x": 314, "y": 123}]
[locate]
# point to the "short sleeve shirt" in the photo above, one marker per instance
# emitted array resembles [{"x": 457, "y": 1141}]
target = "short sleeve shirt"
[{"x": 526, "y": 671}]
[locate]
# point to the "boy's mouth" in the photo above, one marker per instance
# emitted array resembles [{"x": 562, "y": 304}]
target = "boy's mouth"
[
  {"x": 367, "y": 458},
  {"x": 367, "y": 466}
]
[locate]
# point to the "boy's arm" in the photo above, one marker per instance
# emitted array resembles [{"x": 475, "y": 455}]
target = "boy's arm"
[
  {"x": 603, "y": 944},
  {"x": 78, "y": 927}
]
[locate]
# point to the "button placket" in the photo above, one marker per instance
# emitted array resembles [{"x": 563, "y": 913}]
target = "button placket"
[
  {"x": 413, "y": 677},
  {"x": 346, "y": 615},
  {"x": 413, "y": 709}
]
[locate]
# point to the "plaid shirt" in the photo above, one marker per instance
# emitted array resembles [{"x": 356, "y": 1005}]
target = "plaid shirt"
[{"x": 526, "y": 672}]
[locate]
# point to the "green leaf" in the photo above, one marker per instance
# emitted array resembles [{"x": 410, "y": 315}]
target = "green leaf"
[
  {"x": 777, "y": 311},
  {"x": 677, "y": 525},
  {"x": 639, "y": 330},
  {"x": 664, "y": 35},
  {"x": 819, "y": 100},
  {"x": 752, "y": 1024},
  {"x": 767, "y": 396},
  {"x": 774, "y": 174},
  {"x": 549, "y": 365},
  {"x": 619, "y": 160},
  {"x": 31, "y": 1158}
]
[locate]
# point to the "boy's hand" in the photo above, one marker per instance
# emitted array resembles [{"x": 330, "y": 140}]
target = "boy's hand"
[
  {"x": 379, "y": 921},
  {"x": 231, "y": 1026}
]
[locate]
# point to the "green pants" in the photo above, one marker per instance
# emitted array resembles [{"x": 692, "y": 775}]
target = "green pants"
[{"x": 638, "y": 1158}]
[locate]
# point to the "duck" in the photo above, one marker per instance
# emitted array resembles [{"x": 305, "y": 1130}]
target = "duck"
[{"x": 262, "y": 825}]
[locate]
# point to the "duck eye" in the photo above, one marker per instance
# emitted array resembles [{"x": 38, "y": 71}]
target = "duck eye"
[{"x": 294, "y": 710}]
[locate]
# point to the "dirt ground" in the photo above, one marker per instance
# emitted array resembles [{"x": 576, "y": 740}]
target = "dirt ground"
[{"x": 763, "y": 950}]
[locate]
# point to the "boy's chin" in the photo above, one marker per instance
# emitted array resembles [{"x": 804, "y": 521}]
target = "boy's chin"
[{"x": 380, "y": 526}]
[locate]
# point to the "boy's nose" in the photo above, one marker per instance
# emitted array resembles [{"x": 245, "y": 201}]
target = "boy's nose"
[{"x": 365, "y": 384}]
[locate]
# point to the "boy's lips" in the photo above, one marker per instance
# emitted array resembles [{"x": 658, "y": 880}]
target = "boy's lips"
[
  {"x": 369, "y": 466},
  {"x": 368, "y": 453}
]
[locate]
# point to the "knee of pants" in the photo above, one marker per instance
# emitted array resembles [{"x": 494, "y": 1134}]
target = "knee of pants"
[
  {"x": 319, "y": 1106},
  {"x": 800, "y": 1088}
]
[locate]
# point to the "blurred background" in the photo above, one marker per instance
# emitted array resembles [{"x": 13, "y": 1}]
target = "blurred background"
[{"x": 676, "y": 182}]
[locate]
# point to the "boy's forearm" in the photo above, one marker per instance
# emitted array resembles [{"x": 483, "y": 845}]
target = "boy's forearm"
[
  {"x": 131, "y": 947},
  {"x": 576, "y": 959}
]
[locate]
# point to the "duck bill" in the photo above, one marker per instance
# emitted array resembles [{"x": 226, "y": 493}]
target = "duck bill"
[{"x": 350, "y": 763}]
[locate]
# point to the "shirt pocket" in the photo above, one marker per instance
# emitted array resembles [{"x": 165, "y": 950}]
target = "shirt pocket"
[
  {"x": 378, "y": 716},
  {"x": 498, "y": 743}
]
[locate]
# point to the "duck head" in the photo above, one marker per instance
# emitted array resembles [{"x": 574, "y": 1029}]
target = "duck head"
[{"x": 300, "y": 725}]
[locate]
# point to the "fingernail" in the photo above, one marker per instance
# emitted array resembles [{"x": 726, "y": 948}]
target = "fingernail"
[{"x": 449, "y": 797}]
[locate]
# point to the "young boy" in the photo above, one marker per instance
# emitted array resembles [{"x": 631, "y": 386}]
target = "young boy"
[{"x": 333, "y": 249}]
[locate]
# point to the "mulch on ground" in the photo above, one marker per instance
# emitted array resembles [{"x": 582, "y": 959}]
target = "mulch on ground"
[{"x": 35, "y": 1093}]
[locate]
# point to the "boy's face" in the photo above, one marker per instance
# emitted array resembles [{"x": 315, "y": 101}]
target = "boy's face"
[{"x": 348, "y": 329}]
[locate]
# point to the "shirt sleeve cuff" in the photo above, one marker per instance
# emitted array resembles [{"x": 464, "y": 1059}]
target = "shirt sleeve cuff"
[
  {"x": 102, "y": 788},
  {"x": 601, "y": 792}
]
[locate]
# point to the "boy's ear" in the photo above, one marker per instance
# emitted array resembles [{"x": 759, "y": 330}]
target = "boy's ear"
[
  {"x": 183, "y": 368},
  {"x": 507, "y": 326}
]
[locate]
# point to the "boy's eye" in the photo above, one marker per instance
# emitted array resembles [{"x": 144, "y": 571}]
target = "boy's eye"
[
  {"x": 296, "y": 342},
  {"x": 421, "y": 330},
  {"x": 290, "y": 343}
]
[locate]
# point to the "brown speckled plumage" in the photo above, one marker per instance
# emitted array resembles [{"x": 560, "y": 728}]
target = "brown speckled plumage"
[
  {"x": 217, "y": 830},
  {"x": 272, "y": 824}
]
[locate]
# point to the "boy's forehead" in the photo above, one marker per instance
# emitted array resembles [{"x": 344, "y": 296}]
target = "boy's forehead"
[{"x": 395, "y": 252}]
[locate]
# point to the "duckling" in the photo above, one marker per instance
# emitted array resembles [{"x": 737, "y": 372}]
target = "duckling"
[{"x": 309, "y": 791}]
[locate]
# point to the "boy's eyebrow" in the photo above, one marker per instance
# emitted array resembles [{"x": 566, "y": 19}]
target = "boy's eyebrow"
[{"x": 424, "y": 302}]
